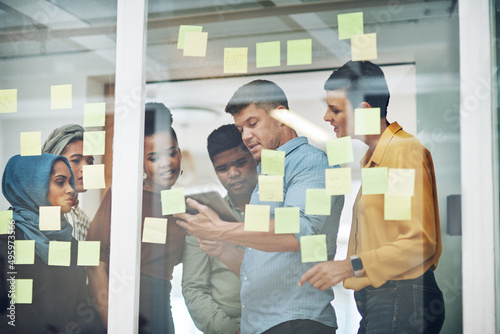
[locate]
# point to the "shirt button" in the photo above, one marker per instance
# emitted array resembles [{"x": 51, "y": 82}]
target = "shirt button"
[
  {"x": 242, "y": 306},
  {"x": 245, "y": 278}
]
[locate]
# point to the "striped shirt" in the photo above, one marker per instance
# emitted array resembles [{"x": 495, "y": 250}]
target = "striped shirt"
[{"x": 80, "y": 222}]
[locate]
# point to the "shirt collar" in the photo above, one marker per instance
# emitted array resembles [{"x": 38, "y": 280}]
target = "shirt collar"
[{"x": 381, "y": 147}]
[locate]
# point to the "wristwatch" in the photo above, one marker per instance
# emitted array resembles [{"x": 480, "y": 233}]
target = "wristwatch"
[{"x": 357, "y": 265}]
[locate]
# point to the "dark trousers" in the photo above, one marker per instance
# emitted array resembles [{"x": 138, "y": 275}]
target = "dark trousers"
[{"x": 301, "y": 326}]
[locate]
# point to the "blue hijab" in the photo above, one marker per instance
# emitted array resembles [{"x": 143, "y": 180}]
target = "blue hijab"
[{"x": 25, "y": 184}]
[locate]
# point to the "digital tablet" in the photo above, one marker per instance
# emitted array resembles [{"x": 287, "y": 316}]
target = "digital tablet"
[{"x": 213, "y": 200}]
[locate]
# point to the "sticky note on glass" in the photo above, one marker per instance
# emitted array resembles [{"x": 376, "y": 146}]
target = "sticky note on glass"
[
  {"x": 299, "y": 52},
  {"x": 94, "y": 142},
  {"x": 318, "y": 202},
  {"x": 93, "y": 177},
  {"x": 24, "y": 251},
  {"x": 235, "y": 60},
  {"x": 88, "y": 253},
  {"x": 367, "y": 121},
  {"x": 397, "y": 207},
  {"x": 50, "y": 218},
  {"x": 286, "y": 220},
  {"x": 94, "y": 114},
  {"x": 364, "y": 47},
  {"x": 5, "y": 219},
  {"x": 24, "y": 291},
  {"x": 338, "y": 181},
  {"x": 313, "y": 248},
  {"x": 350, "y": 24},
  {"x": 257, "y": 218},
  {"x": 195, "y": 44},
  {"x": 59, "y": 253},
  {"x": 8, "y": 101},
  {"x": 374, "y": 180},
  {"x": 339, "y": 151},
  {"x": 61, "y": 97},
  {"x": 268, "y": 54},
  {"x": 155, "y": 230},
  {"x": 31, "y": 143},
  {"x": 172, "y": 201},
  {"x": 183, "y": 29},
  {"x": 401, "y": 182},
  {"x": 271, "y": 188},
  {"x": 272, "y": 162}
]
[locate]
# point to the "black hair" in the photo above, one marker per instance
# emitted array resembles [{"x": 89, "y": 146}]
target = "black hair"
[
  {"x": 158, "y": 118},
  {"x": 261, "y": 93},
  {"x": 224, "y": 138},
  {"x": 364, "y": 82}
]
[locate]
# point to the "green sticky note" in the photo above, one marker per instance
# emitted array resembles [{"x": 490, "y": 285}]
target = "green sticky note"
[
  {"x": 374, "y": 180},
  {"x": 338, "y": 181},
  {"x": 88, "y": 253},
  {"x": 31, "y": 143},
  {"x": 271, "y": 188},
  {"x": 318, "y": 202},
  {"x": 268, "y": 54},
  {"x": 5, "y": 219},
  {"x": 23, "y": 291},
  {"x": 313, "y": 248},
  {"x": 257, "y": 218},
  {"x": 339, "y": 151},
  {"x": 401, "y": 182},
  {"x": 94, "y": 114},
  {"x": 94, "y": 142},
  {"x": 195, "y": 44},
  {"x": 61, "y": 97},
  {"x": 299, "y": 52},
  {"x": 50, "y": 218},
  {"x": 367, "y": 121},
  {"x": 24, "y": 251},
  {"x": 273, "y": 162},
  {"x": 183, "y": 29},
  {"x": 397, "y": 207},
  {"x": 93, "y": 177},
  {"x": 286, "y": 220},
  {"x": 155, "y": 230},
  {"x": 8, "y": 101},
  {"x": 173, "y": 201},
  {"x": 235, "y": 60},
  {"x": 364, "y": 47},
  {"x": 59, "y": 253},
  {"x": 350, "y": 24}
]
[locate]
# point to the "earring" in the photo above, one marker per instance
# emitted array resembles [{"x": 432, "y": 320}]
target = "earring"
[
  {"x": 144, "y": 175},
  {"x": 182, "y": 171}
]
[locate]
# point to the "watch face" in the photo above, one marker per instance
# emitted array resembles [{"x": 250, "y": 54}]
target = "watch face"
[{"x": 356, "y": 264}]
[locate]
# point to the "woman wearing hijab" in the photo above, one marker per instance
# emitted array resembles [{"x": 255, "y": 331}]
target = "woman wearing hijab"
[{"x": 60, "y": 297}]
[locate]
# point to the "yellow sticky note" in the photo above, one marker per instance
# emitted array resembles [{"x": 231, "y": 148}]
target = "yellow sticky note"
[
  {"x": 94, "y": 142},
  {"x": 23, "y": 291},
  {"x": 364, "y": 47},
  {"x": 5, "y": 220},
  {"x": 273, "y": 162},
  {"x": 313, "y": 248},
  {"x": 93, "y": 177},
  {"x": 350, "y": 24},
  {"x": 155, "y": 230},
  {"x": 8, "y": 101},
  {"x": 268, "y": 54},
  {"x": 173, "y": 201},
  {"x": 24, "y": 251},
  {"x": 339, "y": 151},
  {"x": 374, "y": 180},
  {"x": 183, "y": 29},
  {"x": 257, "y": 218},
  {"x": 50, "y": 218},
  {"x": 338, "y": 181},
  {"x": 401, "y": 182},
  {"x": 59, "y": 253},
  {"x": 61, "y": 97},
  {"x": 286, "y": 220},
  {"x": 31, "y": 143},
  {"x": 88, "y": 253},
  {"x": 94, "y": 114},
  {"x": 318, "y": 202},
  {"x": 397, "y": 207},
  {"x": 367, "y": 121},
  {"x": 195, "y": 44},
  {"x": 299, "y": 52},
  {"x": 271, "y": 188},
  {"x": 235, "y": 60}
]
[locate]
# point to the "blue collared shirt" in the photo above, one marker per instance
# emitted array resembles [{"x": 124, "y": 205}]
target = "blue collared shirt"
[{"x": 270, "y": 294}]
